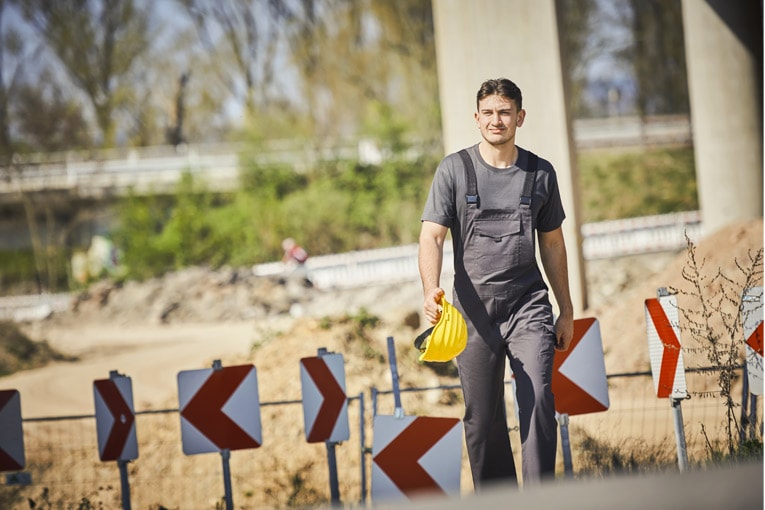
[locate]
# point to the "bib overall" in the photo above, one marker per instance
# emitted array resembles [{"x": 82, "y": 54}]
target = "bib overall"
[{"x": 500, "y": 291}]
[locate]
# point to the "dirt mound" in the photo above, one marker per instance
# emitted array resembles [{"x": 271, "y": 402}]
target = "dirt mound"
[{"x": 622, "y": 318}]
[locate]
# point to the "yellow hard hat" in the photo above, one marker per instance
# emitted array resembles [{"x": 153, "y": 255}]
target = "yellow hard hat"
[{"x": 445, "y": 340}]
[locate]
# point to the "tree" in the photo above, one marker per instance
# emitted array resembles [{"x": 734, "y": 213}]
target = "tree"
[
  {"x": 241, "y": 33},
  {"x": 658, "y": 55},
  {"x": 578, "y": 44},
  {"x": 97, "y": 42},
  {"x": 46, "y": 120}
]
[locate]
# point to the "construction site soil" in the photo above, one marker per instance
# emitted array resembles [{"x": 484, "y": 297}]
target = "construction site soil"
[{"x": 185, "y": 320}]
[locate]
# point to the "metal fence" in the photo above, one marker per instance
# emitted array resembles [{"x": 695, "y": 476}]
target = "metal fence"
[{"x": 635, "y": 434}]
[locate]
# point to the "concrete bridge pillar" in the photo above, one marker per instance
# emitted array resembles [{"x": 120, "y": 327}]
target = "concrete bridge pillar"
[
  {"x": 723, "y": 45},
  {"x": 515, "y": 39}
]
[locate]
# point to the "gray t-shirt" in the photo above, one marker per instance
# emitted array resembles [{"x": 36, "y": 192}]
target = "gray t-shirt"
[{"x": 449, "y": 186}]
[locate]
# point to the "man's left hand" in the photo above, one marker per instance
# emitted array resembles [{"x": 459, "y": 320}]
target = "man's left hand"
[{"x": 564, "y": 332}]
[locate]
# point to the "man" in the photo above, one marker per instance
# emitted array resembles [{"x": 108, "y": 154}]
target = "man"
[{"x": 498, "y": 286}]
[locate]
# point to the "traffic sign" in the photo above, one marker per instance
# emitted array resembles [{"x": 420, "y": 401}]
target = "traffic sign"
[
  {"x": 115, "y": 418},
  {"x": 220, "y": 409},
  {"x": 414, "y": 456},
  {"x": 751, "y": 317},
  {"x": 579, "y": 374},
  {"x": 11, "y": 432},
  {"x": 325, "y": 404},
  {"x": 664, "y": 349}
]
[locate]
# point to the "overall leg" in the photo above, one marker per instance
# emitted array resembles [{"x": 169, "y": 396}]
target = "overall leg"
[
  {"x": 482, "y": 371},
  {"x": 531, "y": 348}
]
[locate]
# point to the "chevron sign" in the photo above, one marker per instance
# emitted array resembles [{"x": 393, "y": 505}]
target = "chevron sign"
[
  {"x": 664, "y": 349},
  {"x": 11, "y": 432},
  {"x": 325, "y": 405},
  {"x": 413, "y": 456},
  {"x": 751, "y": 317},
  {"x": 115, "y": 418},
  {"x": 579, "y": 374},
  {"x": 220, "y": 409}
]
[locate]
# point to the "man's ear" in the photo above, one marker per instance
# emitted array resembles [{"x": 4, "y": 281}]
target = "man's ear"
[{"x": 521, "y": 118}]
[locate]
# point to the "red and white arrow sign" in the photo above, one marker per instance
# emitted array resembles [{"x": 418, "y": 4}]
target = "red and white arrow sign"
[
  {"x": 579, "y": 374},
  {"x": 751, "y": 317},
  {"x": 220, "y": 409},
  {"x": 115, "y": 419},
  {"x": 325, "y": 404},
  {"x": 11, "y": 432},
  {"x": 414, "y": 456},
  {"x": 664, "y": 349}
]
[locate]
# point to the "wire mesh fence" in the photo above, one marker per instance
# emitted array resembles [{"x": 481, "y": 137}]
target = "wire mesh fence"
[{"x": 635, "y": 434}]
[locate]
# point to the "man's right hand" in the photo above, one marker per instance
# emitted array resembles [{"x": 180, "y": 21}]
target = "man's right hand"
[{"x": 432, "y": 306}]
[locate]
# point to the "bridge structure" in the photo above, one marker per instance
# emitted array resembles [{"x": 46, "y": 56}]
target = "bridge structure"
[
  {"x": 100, "y": 174},
  {"x": 91, "y": 180}
]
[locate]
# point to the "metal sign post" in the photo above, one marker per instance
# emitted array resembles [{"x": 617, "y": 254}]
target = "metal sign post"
[
  {"x": 677, "y": 414},
  {"x": 225, "y": 455},
  {"x": 682, "y": 452},
  {"x": 399, "y": 411},
  {"x": 334, "y": 484},
  {"x": 565, "y": 443},
  {"x": 122, "y": 463}
]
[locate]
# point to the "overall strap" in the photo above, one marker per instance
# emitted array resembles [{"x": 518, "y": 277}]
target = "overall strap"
[
  {"x": 531, "y": 177},
  {"x": 471, "y": 197}
]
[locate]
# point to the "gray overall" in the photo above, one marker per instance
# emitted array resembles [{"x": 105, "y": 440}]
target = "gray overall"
[{"x": 499, "y": 289}]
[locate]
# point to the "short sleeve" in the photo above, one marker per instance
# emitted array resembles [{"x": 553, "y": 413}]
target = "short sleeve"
[
  {"x": 551, "y": 214},
  {"x": 440, "y": 207}
]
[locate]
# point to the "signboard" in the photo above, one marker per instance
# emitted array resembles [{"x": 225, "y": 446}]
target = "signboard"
[
  {"x": 751, "y": 317},
  {"x": 664, "y": 349},
  {"x": 220, "y": 409},
  {"x": 325, "y": 404},
  {"x": 579, "y": 374},
  {"x": 11, "y": 432},
  {"x": 115, "y": 418},
  {"x": 414, "y": 456}
]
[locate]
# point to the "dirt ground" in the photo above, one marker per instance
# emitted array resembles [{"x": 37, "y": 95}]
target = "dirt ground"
[{"x": 153, "y": 330}]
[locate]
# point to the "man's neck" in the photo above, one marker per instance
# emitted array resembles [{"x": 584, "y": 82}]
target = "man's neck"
[{"x": 498, "y": 156}]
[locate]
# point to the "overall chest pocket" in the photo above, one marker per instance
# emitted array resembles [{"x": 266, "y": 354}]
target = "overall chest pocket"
[{"x": 498, "y": 238}]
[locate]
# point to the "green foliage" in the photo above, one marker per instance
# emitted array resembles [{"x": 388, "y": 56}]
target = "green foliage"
[
  {"x": 619, "y": 184},
  {"x": 18, "y": 269},
  {"x": 341, "y": 206}
]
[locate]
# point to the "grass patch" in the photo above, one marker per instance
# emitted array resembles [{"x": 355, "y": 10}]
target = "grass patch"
[{"x": 616, "y": 184}]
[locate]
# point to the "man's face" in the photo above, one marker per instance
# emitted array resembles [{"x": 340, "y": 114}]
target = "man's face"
[{"x": 497, "y": 118}]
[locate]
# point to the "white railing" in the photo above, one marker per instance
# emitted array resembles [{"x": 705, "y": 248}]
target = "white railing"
[{"x": 608, "y": 239}]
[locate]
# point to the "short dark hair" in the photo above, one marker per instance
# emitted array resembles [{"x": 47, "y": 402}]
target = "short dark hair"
[{"x": 502, "y": 87}]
